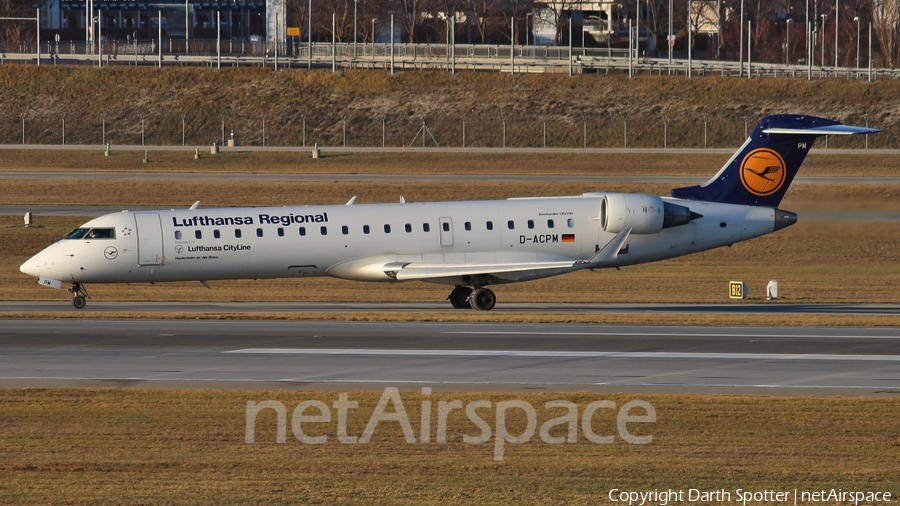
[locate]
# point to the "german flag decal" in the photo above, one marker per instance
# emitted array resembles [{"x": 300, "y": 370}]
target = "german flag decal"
[{"x": 568, "y": 238}]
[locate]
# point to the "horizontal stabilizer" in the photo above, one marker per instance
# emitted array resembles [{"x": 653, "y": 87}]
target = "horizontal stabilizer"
[{"x": 823, "y": 130}]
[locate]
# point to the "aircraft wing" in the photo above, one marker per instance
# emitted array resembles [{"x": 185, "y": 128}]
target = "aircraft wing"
[
  {"x": 424, "y": 271},
  {"x": 403, "y": 271}
]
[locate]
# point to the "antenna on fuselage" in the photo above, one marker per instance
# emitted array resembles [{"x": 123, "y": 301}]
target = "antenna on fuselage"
[
  {"x": 402, "y": 199},
  {"x": 351, "y": 201},
  {"x": 195, "y": 206}
]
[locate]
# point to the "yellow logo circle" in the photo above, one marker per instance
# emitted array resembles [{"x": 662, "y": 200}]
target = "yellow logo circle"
[{"x": 763, "y": 172}]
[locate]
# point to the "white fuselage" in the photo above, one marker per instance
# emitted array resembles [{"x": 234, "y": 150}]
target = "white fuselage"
[{"x": 357, "y": 241}]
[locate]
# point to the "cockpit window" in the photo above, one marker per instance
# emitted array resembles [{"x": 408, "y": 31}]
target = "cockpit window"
[
  {"x": 92, "y": 233},
  {"x": 101, "y": 233},
  {"x": 78, "y": 233}
]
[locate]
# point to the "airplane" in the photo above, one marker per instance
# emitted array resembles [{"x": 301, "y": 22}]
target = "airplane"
[{"x": 469, "y": 245}]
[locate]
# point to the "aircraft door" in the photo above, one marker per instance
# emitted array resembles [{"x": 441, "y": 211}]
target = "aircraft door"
[
  {"x": 446, "y": 226},
  {"x": 150, "y": 239}
]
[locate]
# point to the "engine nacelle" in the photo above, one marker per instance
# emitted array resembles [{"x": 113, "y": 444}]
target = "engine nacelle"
[{"x": 645, "y": 214}]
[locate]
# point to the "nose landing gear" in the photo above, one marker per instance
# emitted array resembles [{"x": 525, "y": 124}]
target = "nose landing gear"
[{"x": 79, "y": 295}]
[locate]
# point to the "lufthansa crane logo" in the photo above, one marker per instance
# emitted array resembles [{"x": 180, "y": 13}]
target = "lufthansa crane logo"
[{"x": 763, "y": 172}]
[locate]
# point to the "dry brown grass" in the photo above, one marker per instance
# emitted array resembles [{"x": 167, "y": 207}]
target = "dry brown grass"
[{"x": 133, "y": 446}]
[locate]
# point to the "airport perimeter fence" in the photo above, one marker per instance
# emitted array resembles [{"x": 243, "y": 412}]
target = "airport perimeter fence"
[{"x": 480, "y": 130}]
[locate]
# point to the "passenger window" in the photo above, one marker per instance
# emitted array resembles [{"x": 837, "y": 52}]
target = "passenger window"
[
  {"x": 570, "y": 223},
  {"x": 549, "y": 223},
  {"x": 237, "y": 233},
  {"x": 445, "y": 226},
  {"x": 531, "y": 224},
  {"x": 366, "y": 229},
  {"x": 426, "y": 227},
  {"x": 216, "y": 234},
  {"x": 198, "y": 234},
  {"x": 468, "y": 226},
  {"x": 345, "y": 230},
  {"x": 510, "y": 225},
  {"x": 490, "y": 225},
  {"x": 259, "y": 232},
  {"x": 177, "y": 235},
  {"x": 302, "y": 231},
  {"x": 280, "y": 232},
  {"x": 408, "y": 228},
  {"x": 387, "y": 229},
  {"x": 324, "y": 230}
]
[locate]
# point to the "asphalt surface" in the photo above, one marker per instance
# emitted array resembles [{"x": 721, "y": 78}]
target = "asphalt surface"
[
  {"x": 251, "y": 308},
  {"x": 332, "y": 355}
]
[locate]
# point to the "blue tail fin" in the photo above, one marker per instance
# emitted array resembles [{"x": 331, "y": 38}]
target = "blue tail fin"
[{"x": 763, "y": 168}]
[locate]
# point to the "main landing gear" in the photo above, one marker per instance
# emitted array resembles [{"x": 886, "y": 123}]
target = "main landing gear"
[
  {"x": 463, "y": 297},
  {"x": 79, "y": 295}
]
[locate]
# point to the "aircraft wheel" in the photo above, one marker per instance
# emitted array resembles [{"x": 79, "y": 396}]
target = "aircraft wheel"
[
  {"x": 482, "y": 299},
  {"x": 459, "y": 297},
  {"x": 78, "y": 302}
]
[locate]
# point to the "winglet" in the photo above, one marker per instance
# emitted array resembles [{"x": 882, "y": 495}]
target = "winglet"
[{"x": 610, "y": 252}]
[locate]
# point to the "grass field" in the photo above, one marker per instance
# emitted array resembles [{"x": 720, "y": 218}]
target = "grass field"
[
  {"x": 136, "y": 446},
  {"x": 132, "y": 446}
]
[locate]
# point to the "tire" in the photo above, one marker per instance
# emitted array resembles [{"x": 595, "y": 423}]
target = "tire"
[
  {"x": 79, "y": 302},
  {"x": 482, "y": 299},
  {"x": 459, "y": 297}
]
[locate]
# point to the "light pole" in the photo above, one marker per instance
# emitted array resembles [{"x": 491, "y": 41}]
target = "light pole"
[
  {"x": 787, "y": 48},
  {"x": 373, "y": 37},
  {"x": 355, "y": 3},
  {"x": 527, "y": 30},
  {"x": 824, "y": 16},
  {"x": 309, "y": 35},
  {"x": 741, "y": 25},
  {"x": 669, "y": 40},
  {"x": 856, "y": 18},
  {"x": 837, "y": 17}
]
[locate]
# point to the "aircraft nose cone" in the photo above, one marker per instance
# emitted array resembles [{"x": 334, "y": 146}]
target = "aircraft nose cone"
[{"x": 31, "y": 266}]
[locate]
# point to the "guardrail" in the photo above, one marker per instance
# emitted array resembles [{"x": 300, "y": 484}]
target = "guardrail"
[{"x": 497, "y": 58}]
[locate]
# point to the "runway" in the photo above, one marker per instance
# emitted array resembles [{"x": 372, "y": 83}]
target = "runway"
[
  {"x": 251, "y": 308},
  {"x": 462, "y": 357}
]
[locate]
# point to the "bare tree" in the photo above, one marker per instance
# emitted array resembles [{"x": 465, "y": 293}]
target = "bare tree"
[
  {"x": 559, "y": 16},
  {"x": 15, "y": 32},
  {"x": 513, "y": 12},
  {"x": 886, "y": 23},
  {"x": 659, "y": 20}
]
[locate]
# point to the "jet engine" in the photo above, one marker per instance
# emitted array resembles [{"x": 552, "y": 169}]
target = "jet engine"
[{"x": 645, "y": 214}]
